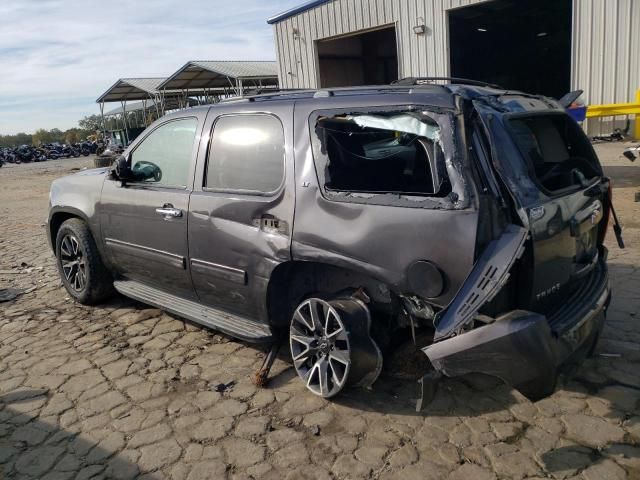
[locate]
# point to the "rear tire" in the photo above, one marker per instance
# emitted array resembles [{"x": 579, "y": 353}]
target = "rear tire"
[
  {"x": 81, "y": 269},
  {"x": 331, "y": 344},
  {"x": 320, "y": 347}
]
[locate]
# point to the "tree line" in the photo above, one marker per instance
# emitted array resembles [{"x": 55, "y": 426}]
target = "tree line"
[{"x": 87, "y": 126}]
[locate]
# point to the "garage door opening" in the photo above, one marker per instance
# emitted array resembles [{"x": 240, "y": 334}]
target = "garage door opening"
[
  {"x": 522, "y": 45},
  {"x": 369, "y": 58}
]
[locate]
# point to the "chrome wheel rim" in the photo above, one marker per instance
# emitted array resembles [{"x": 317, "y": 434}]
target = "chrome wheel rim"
[
  {"x": 320, "y": 347},
  {"x": 73, "y": 263}
]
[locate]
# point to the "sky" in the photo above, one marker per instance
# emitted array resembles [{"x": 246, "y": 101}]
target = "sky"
[{"x": 58, "y": 56}]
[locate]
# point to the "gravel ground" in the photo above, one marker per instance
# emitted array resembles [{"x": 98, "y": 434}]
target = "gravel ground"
[{"x": 126, "y": 391}]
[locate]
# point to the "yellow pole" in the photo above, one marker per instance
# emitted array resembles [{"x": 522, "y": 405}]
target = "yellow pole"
[{"x": 637, "y": 129}]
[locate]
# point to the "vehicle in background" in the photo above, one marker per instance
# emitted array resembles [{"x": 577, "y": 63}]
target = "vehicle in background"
[{"x": 337, "y": 218}]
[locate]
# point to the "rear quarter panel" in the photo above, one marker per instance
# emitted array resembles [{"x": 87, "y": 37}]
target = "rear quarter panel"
[{"x": 381, "y": 241}]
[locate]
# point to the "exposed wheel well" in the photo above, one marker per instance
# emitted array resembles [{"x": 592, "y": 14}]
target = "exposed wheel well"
[
  {"x": 56, "y": 222},
  {"x": 292, "y": 282}
]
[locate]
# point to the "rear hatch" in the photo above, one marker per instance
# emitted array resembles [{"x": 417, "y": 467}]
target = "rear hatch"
[
  {"x": 567, "y": 220},
  {"x": 561, "y": 205}
]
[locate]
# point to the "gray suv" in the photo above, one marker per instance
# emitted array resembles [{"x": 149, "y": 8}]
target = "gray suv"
[{"x": 331, "y": 219}]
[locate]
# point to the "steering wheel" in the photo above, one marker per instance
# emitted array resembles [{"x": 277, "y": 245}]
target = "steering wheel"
[{"x": 148, "y": 170}]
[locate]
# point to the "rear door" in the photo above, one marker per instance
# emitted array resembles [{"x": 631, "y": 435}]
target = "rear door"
[{"x": 241, "y": 212}]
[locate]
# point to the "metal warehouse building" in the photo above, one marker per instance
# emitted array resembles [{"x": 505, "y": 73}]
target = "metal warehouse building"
[{"x": 541, "y": 46}]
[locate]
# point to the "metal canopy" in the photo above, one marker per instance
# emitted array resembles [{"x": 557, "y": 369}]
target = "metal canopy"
[
  {"x": 201, "y": 75},
  {"x": 127, "y": 89},
  {"x": 152, "y": 99}
]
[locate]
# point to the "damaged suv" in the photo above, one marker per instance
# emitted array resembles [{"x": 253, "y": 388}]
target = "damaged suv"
[{"x": 331, "y": 219}]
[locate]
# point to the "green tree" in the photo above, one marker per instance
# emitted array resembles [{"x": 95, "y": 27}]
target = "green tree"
[
  {"x": 71, "y": 136},
  {"x": 57, "y": 135},
  {"x": 90, "y": 123},
  {"x": 41, "y": 137}
]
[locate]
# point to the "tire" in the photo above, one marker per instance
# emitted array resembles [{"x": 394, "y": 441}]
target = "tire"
[
  {"x": 331, "y": 346},
  {"x": 81, "y": 269}
]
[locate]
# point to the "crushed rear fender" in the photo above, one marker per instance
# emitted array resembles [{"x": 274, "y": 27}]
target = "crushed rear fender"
[{"x": 488, "y": 276}]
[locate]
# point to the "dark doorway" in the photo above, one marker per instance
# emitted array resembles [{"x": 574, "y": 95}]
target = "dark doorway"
[
  {"x": 517, "y": 44},
  {"x": 369, "y": 58}
]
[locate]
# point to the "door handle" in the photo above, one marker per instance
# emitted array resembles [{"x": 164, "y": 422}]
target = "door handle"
[{"x": 168, "y": 211}]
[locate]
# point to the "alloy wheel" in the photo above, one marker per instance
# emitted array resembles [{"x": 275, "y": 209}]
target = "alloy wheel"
[
  {"x": 320, "y": 347},
  {"x": 73, "y": 263}
]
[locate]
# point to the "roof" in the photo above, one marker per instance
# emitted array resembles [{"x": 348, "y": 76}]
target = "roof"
[
  {"x": 206, "y": 74},
  {"x": 131, "y": 89},
  {"x": 296, "y": 10},
  {"x": 434, "y": 95}
]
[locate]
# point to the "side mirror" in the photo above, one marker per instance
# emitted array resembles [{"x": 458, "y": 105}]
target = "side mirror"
[{"x": 121, "y": 169}]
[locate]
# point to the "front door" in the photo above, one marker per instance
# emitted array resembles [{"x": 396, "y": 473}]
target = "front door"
[
  {"x": 144, "y": 222},
  {"x": 241, "y": 210}
]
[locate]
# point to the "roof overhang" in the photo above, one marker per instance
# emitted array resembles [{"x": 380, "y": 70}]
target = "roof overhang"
[{"x": 296, "y": 10}]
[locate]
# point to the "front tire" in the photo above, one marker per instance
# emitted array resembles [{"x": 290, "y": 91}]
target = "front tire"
[{"x": 80, "y": 267}]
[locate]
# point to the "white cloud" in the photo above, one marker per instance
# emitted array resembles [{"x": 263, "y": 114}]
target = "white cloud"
[{"x": 58, "y": 56}]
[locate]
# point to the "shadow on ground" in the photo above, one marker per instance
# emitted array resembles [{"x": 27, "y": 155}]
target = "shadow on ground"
[{"x": 32, "y": 447}]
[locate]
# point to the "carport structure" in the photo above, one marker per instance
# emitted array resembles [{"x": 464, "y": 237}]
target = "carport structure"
[
  {"x": 145, "y": 91},
  {"x": 209, "y": 81}
]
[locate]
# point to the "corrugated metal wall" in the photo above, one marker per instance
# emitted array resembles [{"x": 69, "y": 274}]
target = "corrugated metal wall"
[
  {"x": 418, "y": 54},
  {"x": 606, "y": 54},
  {"x": 606, "y": 42}
]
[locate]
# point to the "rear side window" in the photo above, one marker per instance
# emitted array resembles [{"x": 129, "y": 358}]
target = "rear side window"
[
  {"x": 246, "y": 154},
  {"x": 394, "y": 153},
  {"x": 557, "y": 151}
]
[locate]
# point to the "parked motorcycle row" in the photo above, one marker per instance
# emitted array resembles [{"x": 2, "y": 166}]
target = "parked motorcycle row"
[{"x": 50, "y": 151}]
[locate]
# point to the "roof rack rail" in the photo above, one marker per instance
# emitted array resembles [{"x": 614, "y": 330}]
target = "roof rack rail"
[
  {"x": 463, "y": 81},
  {"x": 265, "y": 94}
]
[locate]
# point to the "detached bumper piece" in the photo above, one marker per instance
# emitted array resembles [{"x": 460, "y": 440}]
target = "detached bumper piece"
[{"x": 527, "y": 350}]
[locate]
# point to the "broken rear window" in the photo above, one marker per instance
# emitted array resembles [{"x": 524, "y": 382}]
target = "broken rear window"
[
  {"x": 387, "y": 153},
  {"x": 559, "y": 154}
]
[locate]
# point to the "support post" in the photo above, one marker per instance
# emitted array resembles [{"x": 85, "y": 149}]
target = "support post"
[
  {"x": 144, "y": 113},
  {"x": 126, "y": 122},
  {"x": 104, "y": 125}
]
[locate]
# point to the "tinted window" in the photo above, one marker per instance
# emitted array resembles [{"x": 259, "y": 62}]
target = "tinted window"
[
  {"x": 246, "y": 153},
  {"x": 164, "y": 157}
]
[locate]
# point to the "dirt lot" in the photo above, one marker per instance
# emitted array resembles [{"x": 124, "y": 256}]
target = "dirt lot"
[{"x": 125, "y": 391}]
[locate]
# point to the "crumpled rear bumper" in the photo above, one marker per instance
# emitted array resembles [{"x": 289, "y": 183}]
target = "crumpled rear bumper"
[{"x": 526, "y": 349}]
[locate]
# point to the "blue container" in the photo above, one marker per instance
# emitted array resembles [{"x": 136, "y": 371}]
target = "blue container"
[{"x": 579, "y": 113}]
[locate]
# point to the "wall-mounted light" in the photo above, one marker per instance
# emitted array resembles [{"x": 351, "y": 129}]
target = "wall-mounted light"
[
  {"x": 420, "y": 28},
  {"x": 542, "y": 34},
  {"x": 483, "y": 30}
]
